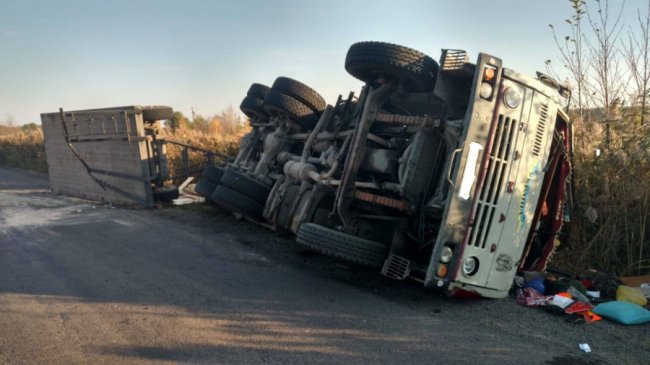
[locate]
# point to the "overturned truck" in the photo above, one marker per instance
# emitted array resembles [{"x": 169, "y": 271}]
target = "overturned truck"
[{"x": 455, "y": 174}]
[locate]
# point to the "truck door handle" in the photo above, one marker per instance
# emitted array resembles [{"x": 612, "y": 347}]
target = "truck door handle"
[{"x": 451, "y": 165}]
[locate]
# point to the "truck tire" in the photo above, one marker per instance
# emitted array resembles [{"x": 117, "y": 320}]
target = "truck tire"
[
  {"x": 165, "y": 194},
  {"x": 213, "y": 174},
  {"x": 278, "y": 103},
  {"x": 300, "y": 92},
  {"x": 245, "y": 185},
  {"x": 253, "y": 107},
  {"x": 154, "y": 113},
  {"x": 238, "y": 203},
  {"x": 367, "y": 60},
  {"x": 205, "y": 188},
  {"x": 258, "y": 91},
  {"x": 342, "y": 245}
]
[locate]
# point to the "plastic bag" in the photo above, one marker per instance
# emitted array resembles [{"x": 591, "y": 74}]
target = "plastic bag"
[{"x": 529, "y": 297}]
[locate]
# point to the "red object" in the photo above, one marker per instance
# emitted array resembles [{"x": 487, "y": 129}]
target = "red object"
[
  {"x": 578, "y": 307},
  {"x": 591, "y": 317},
  {"x": 545, "y": 209},
  {"x": 529, "y": 297},
  {"x": 554, "y": 189},
  {"x": 588, "y": 283},
  {"x": 463, "y": 294}
]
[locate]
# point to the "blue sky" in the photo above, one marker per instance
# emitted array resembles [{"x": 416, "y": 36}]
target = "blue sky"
[{"x": 205, "y": 54}]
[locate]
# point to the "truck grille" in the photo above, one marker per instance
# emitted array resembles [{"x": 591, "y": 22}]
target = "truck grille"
[
  {"x": 453, "y": 59},
  {"x": 541, "y": 128},
  {"x": 494, "y": 179}
]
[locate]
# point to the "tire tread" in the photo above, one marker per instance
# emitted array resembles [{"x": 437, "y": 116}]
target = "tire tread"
[{"x": 341, "y": 245}]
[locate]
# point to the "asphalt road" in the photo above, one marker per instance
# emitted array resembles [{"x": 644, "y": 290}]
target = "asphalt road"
[{"x": 86, "y": 283}]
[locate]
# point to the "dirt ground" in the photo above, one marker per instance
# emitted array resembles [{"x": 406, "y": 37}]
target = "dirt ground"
[{"x": 82, "y": 282}]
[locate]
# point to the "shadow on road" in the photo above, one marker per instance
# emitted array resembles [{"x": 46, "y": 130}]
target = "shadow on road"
[{"x": 88, "y": 283}]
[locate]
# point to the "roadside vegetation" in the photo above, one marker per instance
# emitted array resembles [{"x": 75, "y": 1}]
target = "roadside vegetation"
[
  {"x": 22, "y": 146},
  {"x": 219, "y": 133},
  {"x": 606, "y": 62}
]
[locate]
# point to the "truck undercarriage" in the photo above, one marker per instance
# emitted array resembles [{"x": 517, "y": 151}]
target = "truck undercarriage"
[{"x": 453, "y": 173}]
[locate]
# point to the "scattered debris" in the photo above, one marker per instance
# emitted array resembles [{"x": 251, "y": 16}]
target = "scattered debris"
[
  {"x": 579, "y": 298},
  {"x": 530, "y": 297}
]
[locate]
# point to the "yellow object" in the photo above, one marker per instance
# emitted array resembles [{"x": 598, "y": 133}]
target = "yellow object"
[{"x": 632, "y": 295}]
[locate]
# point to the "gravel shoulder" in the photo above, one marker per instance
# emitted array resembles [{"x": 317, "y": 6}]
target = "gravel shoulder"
[{"x": 87, "y": 283}]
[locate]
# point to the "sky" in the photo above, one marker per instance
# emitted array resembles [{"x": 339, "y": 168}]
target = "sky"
[{"x": 205, "y": 54}]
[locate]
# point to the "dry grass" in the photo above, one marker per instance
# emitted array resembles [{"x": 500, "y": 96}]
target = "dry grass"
[
  {"x": 609, "y": 227},
  {"x": 22, "y": 148},
  {"x": 213, "y": 139}
]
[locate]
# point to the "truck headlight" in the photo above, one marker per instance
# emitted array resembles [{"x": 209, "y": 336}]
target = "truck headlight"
[
  {"x": 445, "y": 255},
  {"x": 485, "y": 90},
  {"x": 512, "y": 97},
  {"x": 470, "y": 266}
]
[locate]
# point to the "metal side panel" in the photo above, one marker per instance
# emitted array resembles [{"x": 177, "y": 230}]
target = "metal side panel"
[{"x": 111, "y": 142}]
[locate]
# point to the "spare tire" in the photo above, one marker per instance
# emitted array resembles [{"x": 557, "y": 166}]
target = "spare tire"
[
  {"x": 258, "y": 91},
  {"x": 300, "y": 92},
  {"x": 277, "y": 103},
  {"x": 154, "y": 113},
  {"x": 253, "y": 107},
  {"x": 367, "y": 60}
]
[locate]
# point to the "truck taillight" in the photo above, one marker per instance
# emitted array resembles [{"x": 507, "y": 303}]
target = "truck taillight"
[
  {"x": 442, "y": 271},
  {"x": 488, "y": 81},
  {"x": 489, "y": 73}
]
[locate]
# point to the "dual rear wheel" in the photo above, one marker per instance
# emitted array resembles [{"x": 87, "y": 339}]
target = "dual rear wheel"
[{"x": 288, "y": 97}]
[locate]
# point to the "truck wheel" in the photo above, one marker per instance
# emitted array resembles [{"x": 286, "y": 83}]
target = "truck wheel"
[
  {"x": 154, "y": 113},
  {"x": 367, "y": 60},
  {"x": 246, "y": 185},
  {"x": 300, "y": 92},
  {"x": 213, "y": 174},
  {"x": 258, "y": 91},
  {"x": 205, "y": 188},
  {"x": 342, "y": 245},
  {"x": 278, "y": 103},
  {"x": 165, "y": 194},
  {"x": 252, "y": 107},
  {"x": 236, "y": 202}
]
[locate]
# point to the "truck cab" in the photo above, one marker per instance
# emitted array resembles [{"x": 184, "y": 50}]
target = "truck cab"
[{"x": 511, "y": 165}]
